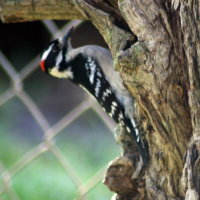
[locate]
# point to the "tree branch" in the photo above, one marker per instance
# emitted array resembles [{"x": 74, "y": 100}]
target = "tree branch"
[{"x": 30, "y": 10}]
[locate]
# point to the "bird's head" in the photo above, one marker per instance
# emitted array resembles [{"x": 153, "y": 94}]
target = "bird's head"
[{"x": 53, "y": 58}]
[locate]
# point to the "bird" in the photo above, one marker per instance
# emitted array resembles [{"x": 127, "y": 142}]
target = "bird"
[{"x": 91, "y": 67}]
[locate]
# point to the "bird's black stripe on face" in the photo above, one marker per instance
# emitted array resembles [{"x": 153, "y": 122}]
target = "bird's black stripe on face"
[
  {"x": 50, "y": 60},
  {"x": 64, "y": 64}
]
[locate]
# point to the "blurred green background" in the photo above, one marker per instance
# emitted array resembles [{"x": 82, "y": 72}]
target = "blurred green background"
[{"x": 86, "y": 143}]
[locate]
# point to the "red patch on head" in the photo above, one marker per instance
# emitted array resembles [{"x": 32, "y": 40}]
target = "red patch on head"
[{"x": 42, "y": 65}]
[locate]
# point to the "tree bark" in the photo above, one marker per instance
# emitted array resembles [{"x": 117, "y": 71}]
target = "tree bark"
[
  {"x": 156, "y": 46},
  {"x": 30, "y": 10}
]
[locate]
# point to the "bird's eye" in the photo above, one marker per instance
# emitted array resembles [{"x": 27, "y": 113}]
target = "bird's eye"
[{"x": 56, "y": 48}]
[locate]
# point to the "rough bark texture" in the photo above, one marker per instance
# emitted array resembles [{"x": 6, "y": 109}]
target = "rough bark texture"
[
  {"x": 156, "y": 46},
  {"x": 29, "y": 10}
]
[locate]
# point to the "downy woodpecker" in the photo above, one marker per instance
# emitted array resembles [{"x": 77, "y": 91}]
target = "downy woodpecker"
[{"x": 91, "y": 67}]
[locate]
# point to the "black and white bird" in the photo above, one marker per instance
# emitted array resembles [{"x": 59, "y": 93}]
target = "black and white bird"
[{"x": 91, "y": 67}]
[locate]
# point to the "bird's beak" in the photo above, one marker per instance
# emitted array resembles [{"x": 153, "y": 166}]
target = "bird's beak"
[{"x": 67, "y": 36}]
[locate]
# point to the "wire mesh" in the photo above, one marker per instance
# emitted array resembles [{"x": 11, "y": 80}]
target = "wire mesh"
[{"x": 16, "y": 90}]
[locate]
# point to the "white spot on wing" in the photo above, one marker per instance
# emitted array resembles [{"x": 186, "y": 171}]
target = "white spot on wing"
[
  {"x": 134, "y": 125},
  {"x": 128, "y": 129},
  {"x": 136, "y": 132},
  {"x": 110, "y": 114},
  {"x": 114, "y": 103},
  {"x": 106, "y": 93},
  {"x": 89, "y": 59},
  {"x": 97, "y": 87},
  {"x": 99, "y": 74},
  {"x": 122, "y": 123},
  {"x": 120, "y": 116},
  {"x": 113, "y": 107},
  {"x": 133, "y": 122},
  {"x": 92, "y": 67}
]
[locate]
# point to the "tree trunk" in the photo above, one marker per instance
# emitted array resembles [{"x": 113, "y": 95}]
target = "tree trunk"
[{"x": 156, "y": 46}]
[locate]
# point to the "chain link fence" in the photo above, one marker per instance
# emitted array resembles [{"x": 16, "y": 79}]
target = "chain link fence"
[{"x": 49, "y": 131}]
